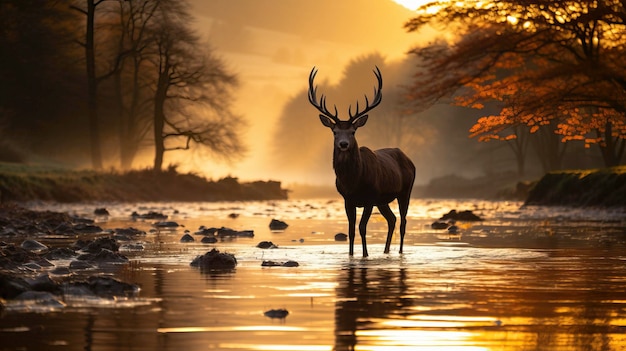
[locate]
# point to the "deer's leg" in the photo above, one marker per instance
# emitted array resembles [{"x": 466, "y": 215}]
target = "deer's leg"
[
  {"x": 403, "y": 204},
  {"x": 391, "y": 223},
  {"x": 351, "y": 214},
  {"x": 367, "y": 212}
]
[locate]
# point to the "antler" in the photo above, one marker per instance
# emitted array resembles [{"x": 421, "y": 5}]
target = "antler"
[
  {"x": 378, "y": 96},
  {"x": 321, "y": 106}
]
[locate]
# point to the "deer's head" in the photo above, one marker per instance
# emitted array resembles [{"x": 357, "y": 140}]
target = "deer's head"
[{"x": 344, "y": 130}]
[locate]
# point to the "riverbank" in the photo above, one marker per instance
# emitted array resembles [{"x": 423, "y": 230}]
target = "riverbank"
[
  {"x": 20, "y": 182},
  {"x": 592, "y": 188}
]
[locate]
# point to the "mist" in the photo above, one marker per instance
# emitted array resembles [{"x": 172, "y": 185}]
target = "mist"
[
  {"x": 271, "y": 46},
  {"x": 273, "y": 55}
]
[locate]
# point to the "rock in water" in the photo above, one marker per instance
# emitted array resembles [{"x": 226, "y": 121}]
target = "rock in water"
[
  {"x": 215, "y": 260},
  {"x": 187, "y": 239},
  {"x": 341, "y": 237},
  {"x": 276, "y": 224},
  {"x": 33, "y": 245},
  {"x": 280, "y": 313}
]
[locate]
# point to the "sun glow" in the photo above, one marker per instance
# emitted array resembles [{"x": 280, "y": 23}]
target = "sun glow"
[{"x": 412, "y": 4}]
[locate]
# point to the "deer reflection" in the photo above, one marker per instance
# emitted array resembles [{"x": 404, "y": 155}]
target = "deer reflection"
[{"x": 364, "y": 294}]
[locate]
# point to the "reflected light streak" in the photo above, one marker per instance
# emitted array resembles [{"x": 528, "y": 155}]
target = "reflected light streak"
[
  {"x": 418, "y": 348},
  {"x": 277, "y": 347},
  {"x": 232, "y": 329},
  {"x": 403, "y": 337}
]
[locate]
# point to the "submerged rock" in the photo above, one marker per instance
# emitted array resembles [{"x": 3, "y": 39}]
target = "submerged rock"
[
  {"x": 215, "y": 260},
  {"x": 439, "y": 225},
  {"x": 280, "y": 313},
  {"x": 266, "y": 245},
  {"x": 289, "y": 263},
  {"x": 209, "y": 240},
  {"x": 149, "y": 215},
  {"x": 166, "y": 225},
  {"x": 465, "y": 216}
]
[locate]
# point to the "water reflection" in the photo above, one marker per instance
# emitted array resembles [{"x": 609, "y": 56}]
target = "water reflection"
[{"x": 484, "y": 300}]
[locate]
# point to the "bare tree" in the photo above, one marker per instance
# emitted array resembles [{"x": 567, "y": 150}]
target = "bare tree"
[
  {"x": 89, "y": 11},
  {"x": 132, "y": 87},
  {"x": 192, "y": 99}
]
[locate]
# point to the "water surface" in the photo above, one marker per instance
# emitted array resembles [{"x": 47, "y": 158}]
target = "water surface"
[{"x": 524, "y": 279}]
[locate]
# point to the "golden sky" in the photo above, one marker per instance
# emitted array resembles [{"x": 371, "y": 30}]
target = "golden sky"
[{"x": 273, "y": 48}]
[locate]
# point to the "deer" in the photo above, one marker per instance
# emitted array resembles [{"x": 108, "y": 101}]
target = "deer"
[{"x": 366, "y": 178}]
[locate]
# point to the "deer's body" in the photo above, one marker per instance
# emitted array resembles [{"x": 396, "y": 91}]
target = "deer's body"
[{"x": 367, "y": 178}]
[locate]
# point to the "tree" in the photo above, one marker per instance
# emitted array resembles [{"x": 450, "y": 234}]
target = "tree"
[
  {"x": 192, "y": 99},
  {"x": 132, "y": 80},
  {"x": 546, "y": 62}
]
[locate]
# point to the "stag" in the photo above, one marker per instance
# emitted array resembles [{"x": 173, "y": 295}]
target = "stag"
[{"x": 366, "y": 178}]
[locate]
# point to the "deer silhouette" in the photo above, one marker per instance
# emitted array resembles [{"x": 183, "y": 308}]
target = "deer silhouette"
[{"x": 366, "y": 178}]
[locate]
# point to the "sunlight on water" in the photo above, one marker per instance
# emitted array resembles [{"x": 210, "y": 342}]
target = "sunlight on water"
[{"x": 525, "y": 278}]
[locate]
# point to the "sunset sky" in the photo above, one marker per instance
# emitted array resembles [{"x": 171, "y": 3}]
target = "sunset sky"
[{"x": 274, "y": 53}]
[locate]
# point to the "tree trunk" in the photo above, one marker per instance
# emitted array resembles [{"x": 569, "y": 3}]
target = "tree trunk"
[
  {"x": 159, "y": 118},
  {"x": 610, "y": 149},
  {"x": 92, "y": 88}
]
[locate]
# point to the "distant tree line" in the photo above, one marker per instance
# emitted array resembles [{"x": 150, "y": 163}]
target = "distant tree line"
[
  {"x": 99, "y": 80},
  {"x": 543, "y": 73}
]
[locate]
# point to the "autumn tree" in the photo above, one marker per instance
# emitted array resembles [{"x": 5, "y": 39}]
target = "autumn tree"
[
  {"x": 548, "y": 65},
  {"x": 192, "y": 90}
]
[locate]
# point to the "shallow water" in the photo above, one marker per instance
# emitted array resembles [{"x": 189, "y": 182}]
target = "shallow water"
[{"x": 524, "y": 279}]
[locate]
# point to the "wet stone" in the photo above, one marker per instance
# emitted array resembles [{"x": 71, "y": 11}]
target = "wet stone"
[
  {"x": 43, "y": 282},
  {"x": 80, "y": 265},
  {"x": 464, "y": 216},
  {"x": 209, "y": 240},
  {"x": 60, "y": 253},
  {"x": 130, "y": 231},
  {"x": 276, "y": 224},
  {"x": 33, "y": 245},
  {"x": 101, "y": 243},
  {"x": 41, "y": 298},
  {"x": 104, "y": 256},
  {"x": 341, "y": 237},
  {"x": 206, "y": 230},
  {"x": 101, "y": 212},
  {"x": 166, "y": 225},
  {"x": 87, "y": 228},
  {"x": 289, "y": 263},
  {"x": 266, "y": 245},
  {"x": 437, "y": 225},
  {"x": 149, "y": 215},
  {"x": 215, "y": 260},
  {"x": 280, "y": 313},
  {"x": 187, "y": 238},
  {"x": 11, "y": 286},
  {"x": 61, "y": 271}
]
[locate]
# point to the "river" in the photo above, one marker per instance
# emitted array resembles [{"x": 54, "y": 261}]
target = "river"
[{"x": 525, "y": 278}]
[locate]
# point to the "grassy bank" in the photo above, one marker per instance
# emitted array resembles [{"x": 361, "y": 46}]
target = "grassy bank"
[
  {"x": 19, "y": 182},
  {"x": 599, "y": 187}
]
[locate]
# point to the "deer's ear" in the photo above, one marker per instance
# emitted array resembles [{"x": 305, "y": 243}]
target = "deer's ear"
[
  {"x": 359, "y": 122},
  {"x": 327, "y": 121}
]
